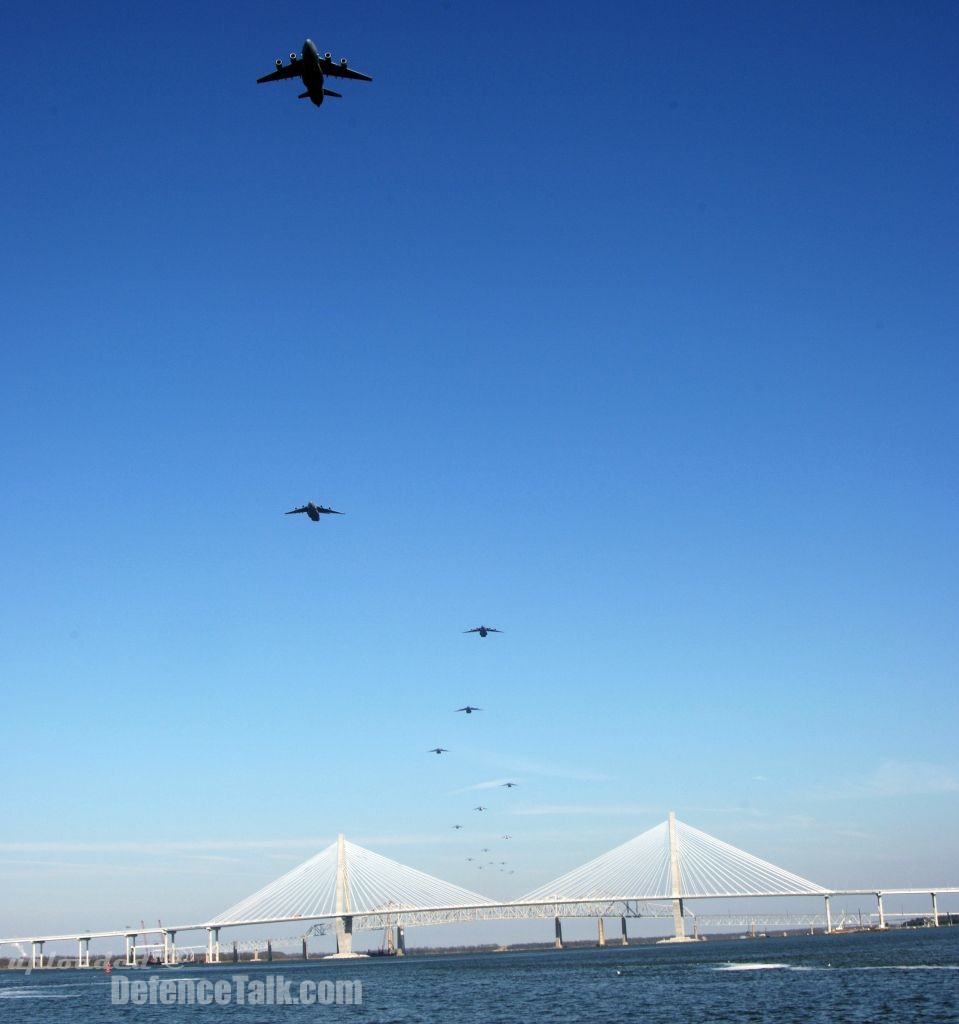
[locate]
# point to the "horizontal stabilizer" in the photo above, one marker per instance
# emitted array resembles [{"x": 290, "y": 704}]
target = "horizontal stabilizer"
[
  {"x": 329, "y": 92},
  {"x": 303, "y": 96}
]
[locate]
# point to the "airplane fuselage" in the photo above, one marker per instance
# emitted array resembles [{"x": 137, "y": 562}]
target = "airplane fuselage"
[{"x": 312, "y": 73}]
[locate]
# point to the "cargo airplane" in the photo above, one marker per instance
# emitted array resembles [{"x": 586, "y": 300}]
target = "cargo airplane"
[{"x": 312, "y": 69}]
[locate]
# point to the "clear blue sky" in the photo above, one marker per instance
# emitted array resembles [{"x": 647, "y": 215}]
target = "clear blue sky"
[{"x": 627, "y": 328}]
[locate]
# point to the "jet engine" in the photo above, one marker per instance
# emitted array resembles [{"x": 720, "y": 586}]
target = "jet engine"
[
  {"x": 343, "y": 62},
  {"x": 279, "y": 62},
  {"x": 328, "y": 56},
  {"x": 292, "y": 56}
]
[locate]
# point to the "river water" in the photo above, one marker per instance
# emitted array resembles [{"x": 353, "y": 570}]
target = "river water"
[{"x": 900, "y": 976}]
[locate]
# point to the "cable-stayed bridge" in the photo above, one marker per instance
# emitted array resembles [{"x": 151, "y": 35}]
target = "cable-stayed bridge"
[{"x": 657, "y": 874}]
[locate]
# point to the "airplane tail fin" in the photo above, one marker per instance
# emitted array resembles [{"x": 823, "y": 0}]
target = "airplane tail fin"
[{"x": 329, "y": 92}]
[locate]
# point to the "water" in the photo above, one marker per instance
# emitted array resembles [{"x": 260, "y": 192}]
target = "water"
[{"x": 861, "y": 978}]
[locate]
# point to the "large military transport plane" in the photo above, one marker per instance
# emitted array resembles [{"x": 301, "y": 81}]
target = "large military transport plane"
[
  {"x": 312, "y": 68},
  {"x": 314, "y": 511}
]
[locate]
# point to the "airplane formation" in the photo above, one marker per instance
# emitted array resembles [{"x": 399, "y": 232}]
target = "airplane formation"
[{"x": 313, "y": 69}]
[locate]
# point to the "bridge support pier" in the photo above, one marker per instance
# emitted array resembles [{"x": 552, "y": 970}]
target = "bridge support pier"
[
  {"x": 600, "y": 932},
  {"x": 558, "y": 943},
  {"x": 622, "y": 925},
  {"x": 169, "y": 949},
  {"x": 935, "y": 911},
  {"x": 130, "y": 942},
  {"x": 236, "y": 953},
  {"x": 213, "y": 945},
  {"x": 344, "y": 936},
  {"x": 882, "y": 915},
  {"x": 269, "y": 950},
  {"x": 400, "y": 940},
  {"x": 83, "y": 952},
  {"x": 828, "y": 917},
  {"x": 36, "y": 955}
]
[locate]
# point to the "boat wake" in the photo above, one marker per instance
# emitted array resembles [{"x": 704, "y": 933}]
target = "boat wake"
[{"x": 751, "y": 967}]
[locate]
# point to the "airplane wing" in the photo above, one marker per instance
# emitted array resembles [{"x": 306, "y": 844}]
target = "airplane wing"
[
  {"x": 340, "y": 70},
  {"x": 289, "y": 71}
]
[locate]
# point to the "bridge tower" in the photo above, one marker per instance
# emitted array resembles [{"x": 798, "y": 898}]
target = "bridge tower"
[
  {"x": 679, "y": 925},
  {"x": 344, "y": 919}
]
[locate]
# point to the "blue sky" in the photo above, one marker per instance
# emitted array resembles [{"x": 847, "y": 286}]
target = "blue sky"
[{"x": 628, "y": 328}]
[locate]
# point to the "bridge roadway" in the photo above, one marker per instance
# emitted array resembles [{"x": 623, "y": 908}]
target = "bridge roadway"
[{"x": 622, "y": 907}]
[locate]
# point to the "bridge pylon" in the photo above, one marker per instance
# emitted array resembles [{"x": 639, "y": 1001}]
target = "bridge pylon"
[
  {"x": 679, "y": 924},
  {"x": 344, "y": 919},
  {"x": 673, "y": 863}
]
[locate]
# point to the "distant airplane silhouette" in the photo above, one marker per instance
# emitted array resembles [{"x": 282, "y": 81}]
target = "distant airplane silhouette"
[
  {"x": 314, "y": 511},
  {"x": 510, "y": 785},
  {"x": 456, "y": 826},
  {"x": 479, "y": 808},
  {"x": 311, "y": 68},
  {"x": 437, "y": 750},
  {"x": 483, "y": 630},
  {"x": 469, "y": 709}
]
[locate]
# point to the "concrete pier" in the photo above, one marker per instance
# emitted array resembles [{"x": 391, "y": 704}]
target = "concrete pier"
[
  {"x": 344, "y": 936},
  {"x": 213, "y": 945},
  {"x": 622, "y": 924},
  {"x": 558, "y": 943},
  {"x": 600, "y": 933}
]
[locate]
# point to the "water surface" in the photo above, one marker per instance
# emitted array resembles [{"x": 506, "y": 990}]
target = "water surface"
[{"x": 863, "y": 978}]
